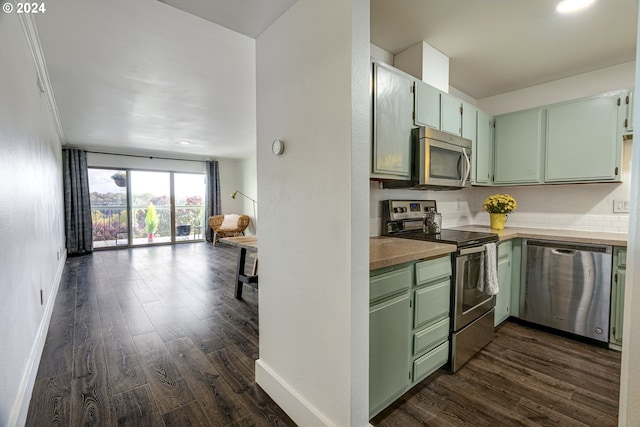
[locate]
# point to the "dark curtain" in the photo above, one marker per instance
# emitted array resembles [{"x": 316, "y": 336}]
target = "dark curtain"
[
  {"x": 77, "y": 206},
  {"x": 213, "y": 195}
]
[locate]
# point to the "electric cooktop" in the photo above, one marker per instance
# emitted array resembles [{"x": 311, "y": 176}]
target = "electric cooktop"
[{"x": 460, "y": 238}]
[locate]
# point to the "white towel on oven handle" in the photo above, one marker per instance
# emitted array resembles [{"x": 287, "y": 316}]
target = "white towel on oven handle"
[{"x": 490, "y": 269}]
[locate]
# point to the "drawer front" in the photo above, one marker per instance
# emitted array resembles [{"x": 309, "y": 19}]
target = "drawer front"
[
  {"x": 504, "y": 249},
  {"x": 430, "y": 362},
  {"x": 389, "y": 283},
  {"x": 434, "y": 269},
  {"x": 622, "y": 259},
  {"x": 431, "y": 337},
  {"x": 432, "y": 303}
]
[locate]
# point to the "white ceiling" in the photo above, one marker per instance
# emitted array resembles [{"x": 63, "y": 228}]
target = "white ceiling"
[
  {"x": 139, "y": 76},
  {"x": 496, "y": 46}
]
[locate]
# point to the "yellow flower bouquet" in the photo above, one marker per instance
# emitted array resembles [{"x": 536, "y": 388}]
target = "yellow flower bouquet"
[
  {"x": 500, "y": 203},
  {"x": 499, "y": 206}
]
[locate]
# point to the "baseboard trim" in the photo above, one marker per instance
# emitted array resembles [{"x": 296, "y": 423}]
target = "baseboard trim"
[
  {"x": 23, "y": 396},
  {"x": 300, "y": 411}
]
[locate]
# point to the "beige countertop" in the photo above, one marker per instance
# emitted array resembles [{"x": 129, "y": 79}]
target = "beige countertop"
[
  {"x": 388, "y": 251},
  {"x": 574, "y": 236}
]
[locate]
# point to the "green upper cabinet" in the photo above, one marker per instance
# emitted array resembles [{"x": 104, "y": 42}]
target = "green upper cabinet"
[
  {"x": 450, "y": 114},
  {"x": 583, "y": 143},
  {"x": 469, "y": 122},
  {"x": 519, "y": 140},
  {"x": 426, "y": 105},
  {"x": 482, "y": 154},
  {"x": 392, "y": 123}
]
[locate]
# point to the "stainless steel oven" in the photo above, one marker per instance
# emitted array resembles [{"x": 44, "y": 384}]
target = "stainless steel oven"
[
  {"x": 472, "y": 310},
  {"x": 469, "y": 302}
]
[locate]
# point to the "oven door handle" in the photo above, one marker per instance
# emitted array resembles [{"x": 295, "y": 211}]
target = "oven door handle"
[{"x": 470, "y": 251}]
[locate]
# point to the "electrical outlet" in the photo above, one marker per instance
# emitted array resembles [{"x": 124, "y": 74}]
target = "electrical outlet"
[{"x": 621, "y": 206}]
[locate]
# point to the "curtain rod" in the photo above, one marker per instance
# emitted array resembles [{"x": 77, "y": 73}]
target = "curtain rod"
[{"x": 136, "y": 155}]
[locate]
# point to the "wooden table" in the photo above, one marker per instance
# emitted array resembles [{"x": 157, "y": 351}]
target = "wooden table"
[{"x": 245, "y": 243}]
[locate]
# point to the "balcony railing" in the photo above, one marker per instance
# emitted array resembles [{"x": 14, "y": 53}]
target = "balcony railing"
[{"x": 110, "y": 225}]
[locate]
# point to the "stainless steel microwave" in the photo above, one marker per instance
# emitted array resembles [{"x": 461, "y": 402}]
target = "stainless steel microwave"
[{"x": 440, "y": 160}]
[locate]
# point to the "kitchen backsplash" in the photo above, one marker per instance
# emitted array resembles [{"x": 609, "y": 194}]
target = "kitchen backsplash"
[
  {"x": 577, "y": 207},
  {"x": 618, "y": 223}
]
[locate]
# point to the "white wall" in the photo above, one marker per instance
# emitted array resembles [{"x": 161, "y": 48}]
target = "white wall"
[
  {"x": 629, "y": 409},
  {"x": 249, "y": 186},
  {"x": 581, "y": 207},
  {"x": 313, "y": 93},
  {"x": 32, "y": 252},
  {"x": 381, "y": 55},
  {"x": 578, "y": 86}
]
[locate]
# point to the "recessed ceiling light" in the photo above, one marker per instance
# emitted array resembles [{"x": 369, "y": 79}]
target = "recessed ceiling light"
[
  {"x": 568, "y": 6},
  {"x": 184, "y": 142}
]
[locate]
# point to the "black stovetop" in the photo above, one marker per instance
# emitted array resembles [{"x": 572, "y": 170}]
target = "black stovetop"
[{"x": 460, "y": 238}]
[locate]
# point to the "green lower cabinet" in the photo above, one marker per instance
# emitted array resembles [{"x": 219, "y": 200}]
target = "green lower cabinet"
[
  {"x": 430, "y": 362},
  {"x": 389, "y": 351},
  {"x": 432, "y": 303},
  {"x": 503, "y": 299},
  {"x": 408, "y": 327},
  {"x": 617, "y": 295}
]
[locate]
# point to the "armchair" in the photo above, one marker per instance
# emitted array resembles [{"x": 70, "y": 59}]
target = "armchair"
[{"x": 228, "y": 225}]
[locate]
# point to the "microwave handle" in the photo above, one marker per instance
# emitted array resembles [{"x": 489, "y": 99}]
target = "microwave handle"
[{"x": 468, "y": 169}]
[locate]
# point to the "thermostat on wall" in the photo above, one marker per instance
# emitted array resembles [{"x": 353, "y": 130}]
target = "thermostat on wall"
[{"x": 277, "y": 147}]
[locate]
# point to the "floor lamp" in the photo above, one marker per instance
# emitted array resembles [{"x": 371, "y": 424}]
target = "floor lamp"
[{"x": 255, "y": 219}]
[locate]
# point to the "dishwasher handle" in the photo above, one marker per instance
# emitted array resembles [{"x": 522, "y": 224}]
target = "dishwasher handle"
[
  {"x": 565, "y": 246},
  {"x": 563, "y": 252}
]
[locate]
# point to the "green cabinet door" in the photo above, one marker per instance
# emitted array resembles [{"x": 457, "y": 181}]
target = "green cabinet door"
[
  {"x": 503, "y": 299},
  {"x": 450, "y": 114},
  {"x": 469, "y": 122},
  {"x": 392, "y": 123},
  {"x": 617, "y": 295},
  {"x": 389, "y": 351},
  {"x": 432, "y": 303},
  {"x": 426, "y": 105},
  {"x": 582, "y": 140},
  {"x": 482, "y": 154},
  {"x": 518, "y": 147}
]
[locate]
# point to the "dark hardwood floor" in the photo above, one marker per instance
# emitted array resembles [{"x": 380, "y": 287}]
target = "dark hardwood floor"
[
  {"x": 524, "y": 377},
  {"x": 154, "y": 337}
]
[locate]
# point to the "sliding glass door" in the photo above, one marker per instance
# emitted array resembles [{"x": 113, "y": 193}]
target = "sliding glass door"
[
  {"x": 132, "y": 208},
  {"x": 150, "y": 207},
  {"x": 189, "y": 190},
  {"x": 108, "y": 195}
]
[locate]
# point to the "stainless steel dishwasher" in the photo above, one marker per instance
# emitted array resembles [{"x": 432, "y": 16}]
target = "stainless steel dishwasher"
[{"x": 567, "y": 286}]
